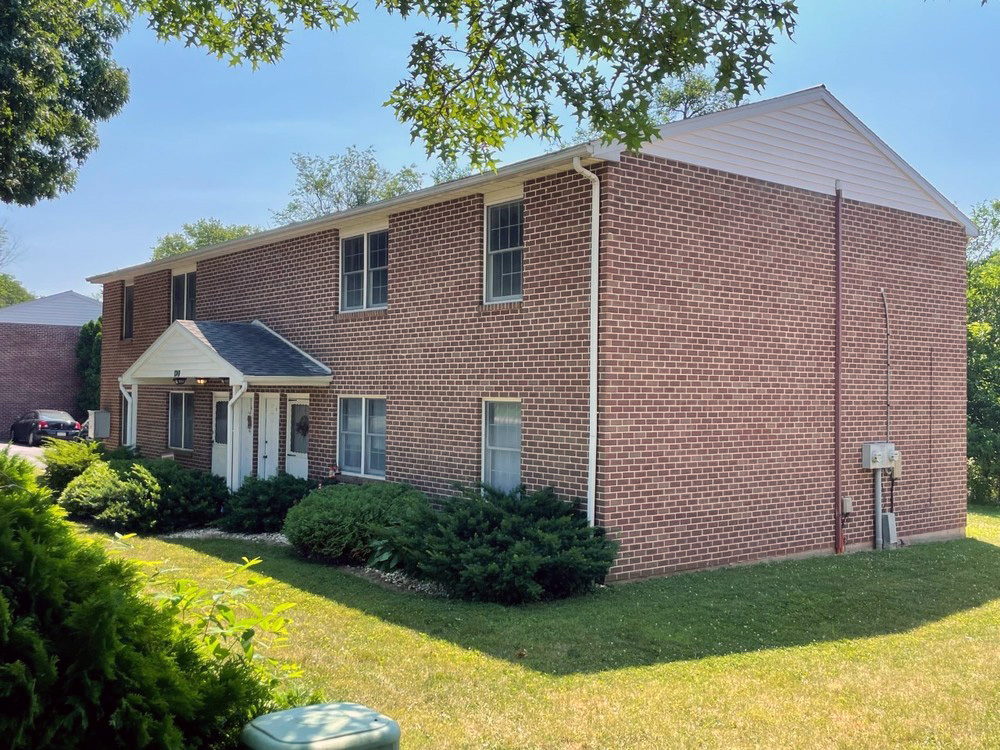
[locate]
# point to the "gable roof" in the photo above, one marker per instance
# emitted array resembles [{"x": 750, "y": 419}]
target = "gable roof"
[
  {"x": 63, "y": 309},
  {"x": 242, "y": 352},
  {"x": 807, "y": 139}
]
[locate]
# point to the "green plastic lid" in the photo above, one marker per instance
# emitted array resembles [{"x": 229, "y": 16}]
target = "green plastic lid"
[{"x": 325, "y": 726}]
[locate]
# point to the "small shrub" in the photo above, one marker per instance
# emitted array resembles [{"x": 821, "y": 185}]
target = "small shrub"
[
  {"x": 261, "y": 505},
  {"x": 86, "y": 661},
  {"x": 187, "y": 498},
  {"x": 342, "y": 522},
  {"x": 509, "y": 548},
  {"x": 120, "y": 502},
  {"x": 67, "y": 459},
  {"x": 117, "y": 453}
]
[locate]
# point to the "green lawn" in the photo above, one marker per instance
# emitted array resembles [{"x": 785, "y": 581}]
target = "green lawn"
[{"x": 900, "y": 649}]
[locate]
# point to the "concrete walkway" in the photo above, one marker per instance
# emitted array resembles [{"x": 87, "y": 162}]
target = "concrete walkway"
[{"x": 34, "y": 455}]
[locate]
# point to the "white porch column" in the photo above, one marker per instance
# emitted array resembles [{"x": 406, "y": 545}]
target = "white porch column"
[{"x": 133, "y": 418}]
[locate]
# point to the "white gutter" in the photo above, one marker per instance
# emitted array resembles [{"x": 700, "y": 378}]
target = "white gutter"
[
  {"x": 595, "y": 227},
  {"x": 131, "y": 413},
  {"x": 425, "y": 196},
  {"x": 230, "y": 450}
]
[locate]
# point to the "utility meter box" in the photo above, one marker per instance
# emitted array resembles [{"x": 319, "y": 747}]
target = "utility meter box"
[
  {"x": 877, "y": 455},
  {"x": 100, "y": 424},
  {"x": 325, "y": 726}
]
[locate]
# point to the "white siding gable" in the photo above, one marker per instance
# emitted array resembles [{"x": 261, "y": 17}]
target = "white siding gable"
[
  {"x": 807, "y": 140},
  {"x": 178, "y": 349}
]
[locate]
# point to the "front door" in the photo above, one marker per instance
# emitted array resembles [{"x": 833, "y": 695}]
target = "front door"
[
  {"x": 220, "y": 432},
  {"x": 268, "y": 444},
  {"x": 242, "y": 435}
]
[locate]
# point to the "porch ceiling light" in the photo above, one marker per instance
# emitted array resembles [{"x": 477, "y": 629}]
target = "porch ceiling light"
[
  {"x": 201, "y": 381},
  {"x": 179, "y": 380}
]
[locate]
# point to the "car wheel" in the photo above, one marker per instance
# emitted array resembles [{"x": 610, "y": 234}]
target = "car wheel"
[{"x": 33, "y": 438}]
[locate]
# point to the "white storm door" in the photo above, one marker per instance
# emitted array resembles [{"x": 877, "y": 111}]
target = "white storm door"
[
  {"x": 220, "y": 432},
  {"x": 243, "y": 436},
  {"x": 297, "y": 439},
  {"x": 268, "y": 443}
]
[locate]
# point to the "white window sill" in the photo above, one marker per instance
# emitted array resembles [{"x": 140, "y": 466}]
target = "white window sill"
[{"x": 355, "y": 310}]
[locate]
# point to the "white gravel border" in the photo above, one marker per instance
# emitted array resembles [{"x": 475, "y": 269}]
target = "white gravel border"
[
  {"x": 267, "y": 538},
  {"x": 395, "y": 579}
]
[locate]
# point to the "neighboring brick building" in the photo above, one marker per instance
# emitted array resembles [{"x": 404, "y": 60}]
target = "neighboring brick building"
[
  {"x": 38, "y": 354},
  {"x": 445, "y": 336}
]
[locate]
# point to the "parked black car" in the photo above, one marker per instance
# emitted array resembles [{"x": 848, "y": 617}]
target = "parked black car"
[{"x": 44, "y": 423}]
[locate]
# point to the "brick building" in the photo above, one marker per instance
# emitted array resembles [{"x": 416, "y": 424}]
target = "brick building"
[
  {"x": 38, "y": 354},
  {"x": 730, "y": 276}
]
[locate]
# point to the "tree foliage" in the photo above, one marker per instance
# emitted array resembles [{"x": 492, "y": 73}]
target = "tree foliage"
[
  {"x": 200, "y": 233},
  {"x": 983, "y": 352},
  {"x": 324, "y": 185},
  {"x": 88, "y": 365},
  {"x": 57, "y": 80},
  {"x": 497, "y": 69}
]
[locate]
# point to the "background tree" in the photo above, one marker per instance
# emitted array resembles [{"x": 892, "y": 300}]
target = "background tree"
[
  {"x": 200, "y": 233},
  {"x": 57, "y": 79},
  {"x": 679, "y": 97},
  {"x": 983, "y": 352},
  {"x": 986, "y": 216},
  {"x": 324, "y": 185},
  {"x": 11, "y": 290},
  {"x": 501, "y": 69},
  {"x": 88, "y": 365}
]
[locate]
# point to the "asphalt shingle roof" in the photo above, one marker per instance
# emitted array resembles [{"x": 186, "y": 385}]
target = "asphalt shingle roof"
[{"x": 253, "y": 349}]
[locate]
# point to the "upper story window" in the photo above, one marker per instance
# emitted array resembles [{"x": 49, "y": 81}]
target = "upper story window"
[
  {"x": 504, "y": 236},
  {"x": 183, "y": 297},
  {"x": 128, "y": 311},
  {"x": 364, "y": 271}
]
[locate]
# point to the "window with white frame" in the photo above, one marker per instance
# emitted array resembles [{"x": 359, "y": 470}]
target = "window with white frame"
[
  {"x": 180, "y": 421},
  {"x": 504, "y": 251},
  {"x": 361, "y": 439},
  {"x": 128, "y": 311},
  {"x": 364, "y": 271},
  {"x": 124, "y": 426},
  {"x": 182, "y": 296},
  {"x": 502, "y": 444}
]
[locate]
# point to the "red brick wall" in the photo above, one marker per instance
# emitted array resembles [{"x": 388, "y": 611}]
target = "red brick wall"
[
  {"x": 717, "y": 359},
  {"x": 37, "y": 370},
  {"x": 716, "y": 406}
]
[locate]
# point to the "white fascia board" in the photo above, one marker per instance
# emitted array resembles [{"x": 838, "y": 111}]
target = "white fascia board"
[
  {"x": 425, "y": 196},
  {"x": 177, "y": 329}
]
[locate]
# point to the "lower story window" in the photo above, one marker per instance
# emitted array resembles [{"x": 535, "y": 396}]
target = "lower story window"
[
  {"x": 502, "y": 444},
  {"x": 181, "y": 421},
  {"x": 362, "y": 436},
  {"x": 124, "y": 422}
]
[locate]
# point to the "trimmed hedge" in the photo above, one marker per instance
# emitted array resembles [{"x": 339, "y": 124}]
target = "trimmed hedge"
[
  {"x": 510, "y": 548},
  {"x": 124, "y": 501},
  {"x": 261, "y": 505},
  {"x": 187, "y": 498},
  {"x": 85, "y": 661},
  {"x": 65, "y": 460},
  {"x": 341, "y": 523}
]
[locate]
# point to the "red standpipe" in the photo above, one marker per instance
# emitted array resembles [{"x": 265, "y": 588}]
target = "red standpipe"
[{"x": 838, "y": 509}]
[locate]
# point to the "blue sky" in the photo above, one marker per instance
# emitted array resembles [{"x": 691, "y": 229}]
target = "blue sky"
[{"x": 200, "y": 139}]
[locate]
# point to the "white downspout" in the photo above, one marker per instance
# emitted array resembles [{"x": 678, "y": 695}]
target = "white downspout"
[
  {"x": 595, "y": 227},
  {"x": 131, "y": 414},
  {"x": 233, "y": 432}
]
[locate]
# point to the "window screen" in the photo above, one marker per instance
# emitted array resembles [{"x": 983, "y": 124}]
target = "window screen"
[{"x": 502, "y": 449}]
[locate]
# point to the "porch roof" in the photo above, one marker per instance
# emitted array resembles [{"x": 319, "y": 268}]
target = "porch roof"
[{"x": 248, "y": 353}]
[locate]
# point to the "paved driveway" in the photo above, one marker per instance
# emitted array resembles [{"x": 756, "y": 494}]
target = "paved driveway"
[{"x": 32, "y": 454}]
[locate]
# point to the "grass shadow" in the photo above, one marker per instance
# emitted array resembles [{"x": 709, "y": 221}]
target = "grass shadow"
[{"x": 684, "y": 617}]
